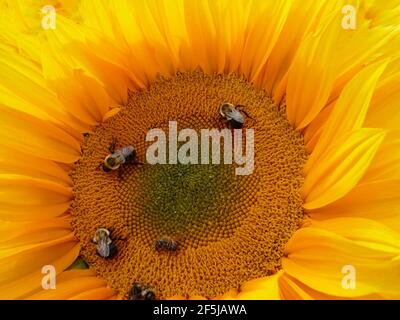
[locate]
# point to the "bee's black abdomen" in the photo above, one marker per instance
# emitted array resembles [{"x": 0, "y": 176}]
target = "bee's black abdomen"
[
  {"x": 135, "y": 292},
  {"x": 131, "y": 157},
  {"x": 141, "y": 292},
  {"x": 136, "y": 289},
  {"x": 113, "y": 251},
  {"x": 235, "y": 124},
  {"x": 165, "y": 244}
]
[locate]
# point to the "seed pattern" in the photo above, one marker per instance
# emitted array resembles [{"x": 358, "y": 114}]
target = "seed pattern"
[{"x": 230, "y": 228}]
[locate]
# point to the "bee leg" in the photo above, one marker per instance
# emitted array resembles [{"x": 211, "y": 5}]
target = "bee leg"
[
  {"x": 235, "y": 124},
  {"x": 110, "y": 230},
  {"x": 112, "y": 146},
  {"x": 240, "y": 107},
  {"x": 247, "y": 115}
]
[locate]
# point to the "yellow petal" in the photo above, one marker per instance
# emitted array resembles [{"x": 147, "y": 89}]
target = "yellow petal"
[
  {"x": 14, "y": 162},
  {"x": 82, "y": 95},
  {"x": 27, "y": 44},
  {"x": 24, "y": 187},
  {"x": 386, "y": 163},
  {"x": 382, "y": 13},
  {"x": 21, "y": 272},
  {"x": 36, "y": 137},
  {"x": 146, "y": 48},
  {"x": 321, "y": 255},
  {"x": 229, "y": 295},
  {"x": 116, "y": 80},
  {"x": 23, "y": 87},
  {"x": 12, "y": 212},
  {"x": 314, "y": 129},
  {"x": 111, "y": 113},
  {"x": 384, "y": 110},
  {"x": 382, "y": 113},
  {"x": 349, "y": 111},
  {"x": 75, "y": 287},
  {"x": 311, "y": 76},
  {"x": 32, "y": 199},
  {"x": 197, "y": 297},
  {"x": 18, "y": 234},
  {"x": 341, "y": 167},
  {"x": 200, "y": 32},
  {"x": 357, "y": 48},
  {"x": 75, "y": 274},
  {"x": 292, "y": 289},
  {"x": 103, "y": 293},
  {"x": 266, "y": 21},
  {"x": 96, "y": 15},
  {"x": 28, "y": 13},
  {"x": 301, "y": 18},
  {"x": 377, "y": 200},
  {"x": 266, "y": 288}
]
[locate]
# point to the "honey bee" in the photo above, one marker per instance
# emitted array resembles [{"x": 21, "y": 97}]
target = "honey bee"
[
  {"x": 166, "y": 244},
  {"x": 118, "y": 157},
  {"x": 105, "y": 246},
  {"x": 141, "y": 292},
  {"x": 233, "y": 114}
]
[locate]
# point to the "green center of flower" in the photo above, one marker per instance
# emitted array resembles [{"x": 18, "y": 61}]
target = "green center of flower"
[
  {"x": 198, "y": 229},
  {"x": 186, "y": 202}
]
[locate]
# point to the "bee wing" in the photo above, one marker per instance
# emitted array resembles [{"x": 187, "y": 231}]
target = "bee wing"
[
  {"x": 103, "y": 247},
  {"x": 236, "y": 115},
  {"x": 119, "y": 157}
]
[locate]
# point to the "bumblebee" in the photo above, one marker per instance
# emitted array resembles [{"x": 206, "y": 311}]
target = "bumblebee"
[
  {"x": 116, "y": 158},
  {"x": 105, "y": 246},
  {"x": 141, "y": 292},
  {"x": 233, "y": 114},
  {"x": 166, "y": 244}
]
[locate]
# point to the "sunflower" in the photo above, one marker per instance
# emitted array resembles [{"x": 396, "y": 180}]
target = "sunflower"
[{"x": 318, "y": 218}]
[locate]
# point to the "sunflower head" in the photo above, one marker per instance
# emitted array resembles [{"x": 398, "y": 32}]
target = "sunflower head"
[{"x": 199, "y": 149}]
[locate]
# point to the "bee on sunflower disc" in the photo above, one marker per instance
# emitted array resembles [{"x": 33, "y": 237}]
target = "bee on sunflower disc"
[
  {"x": 234, "y": 115},
  {"x": 166, "y": 243},
  {"x": 141, "y": 291},
  {"x": 105, "y": 246},
  {"x": 116, "y": 158}
]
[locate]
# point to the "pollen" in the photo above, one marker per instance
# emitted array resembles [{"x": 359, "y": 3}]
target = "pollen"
[{"x": 228, "y": 228}]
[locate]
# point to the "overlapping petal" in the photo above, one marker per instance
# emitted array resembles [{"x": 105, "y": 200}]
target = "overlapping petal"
[
  {"x": 340, "y": 90},
  {"x": 317, "y": 254}
]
